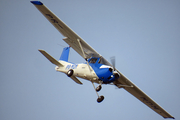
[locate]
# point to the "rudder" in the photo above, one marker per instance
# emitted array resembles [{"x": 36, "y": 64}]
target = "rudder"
[{"x": 65, "y": 54}]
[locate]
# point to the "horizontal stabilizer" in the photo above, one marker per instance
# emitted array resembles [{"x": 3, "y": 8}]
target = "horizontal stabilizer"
[
  {"x": 50, "y": 58},
  {"x": 76, "y": 80}
]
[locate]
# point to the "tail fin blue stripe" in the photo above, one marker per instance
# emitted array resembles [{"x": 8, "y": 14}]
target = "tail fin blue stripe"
[{"x": 65, "y": 54}]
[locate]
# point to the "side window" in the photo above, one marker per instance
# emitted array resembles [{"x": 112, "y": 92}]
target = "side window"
[{"x": 93, "y": 60}]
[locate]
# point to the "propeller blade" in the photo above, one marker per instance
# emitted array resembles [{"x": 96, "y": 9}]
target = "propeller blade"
[{"x": 113, "y": 61}]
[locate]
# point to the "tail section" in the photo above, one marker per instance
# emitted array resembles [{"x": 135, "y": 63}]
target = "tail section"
[
  {"x": 50, "y": 58},
  {"x": 65, "y": 54}
]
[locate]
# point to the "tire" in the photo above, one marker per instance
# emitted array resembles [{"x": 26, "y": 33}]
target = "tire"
[
  {"x": 70, "y": 73},
  {"x": 100, "y": 99},
  {"x": 98, "y": 88}
]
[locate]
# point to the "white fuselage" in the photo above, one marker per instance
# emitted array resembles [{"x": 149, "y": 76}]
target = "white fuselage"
[{"x": 81, "y": 70}]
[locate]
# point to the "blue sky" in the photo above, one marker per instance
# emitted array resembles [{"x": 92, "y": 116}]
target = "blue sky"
[{"x": 143, "y": 35}]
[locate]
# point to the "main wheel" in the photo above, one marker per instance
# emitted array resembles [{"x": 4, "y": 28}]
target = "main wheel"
[
  {"x": 98, "y": 88},
  {"x": 100, "y": 99},
  {"x": 70, "y": 73}
]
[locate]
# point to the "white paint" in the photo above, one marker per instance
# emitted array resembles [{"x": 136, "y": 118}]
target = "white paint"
[{"x": 82, "y": 71}]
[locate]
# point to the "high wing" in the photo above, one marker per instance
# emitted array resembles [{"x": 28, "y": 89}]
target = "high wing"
[
  {"x": 71, "y": 38},
  {"x": 123, "y": 82}
]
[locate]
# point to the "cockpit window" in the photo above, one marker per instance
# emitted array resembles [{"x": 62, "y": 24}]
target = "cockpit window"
[{"x": 93, "y": 60}]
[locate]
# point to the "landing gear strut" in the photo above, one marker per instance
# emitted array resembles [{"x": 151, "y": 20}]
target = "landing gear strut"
[{"x": 100, "y": 98}]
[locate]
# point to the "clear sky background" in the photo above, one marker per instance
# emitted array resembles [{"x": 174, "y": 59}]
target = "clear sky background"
[{"x": 143, "y": 35}]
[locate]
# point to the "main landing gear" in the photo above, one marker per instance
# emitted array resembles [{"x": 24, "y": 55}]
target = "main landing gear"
[
  {"x": 100, "y": 98},
  {"x": 70, "y": 73}
]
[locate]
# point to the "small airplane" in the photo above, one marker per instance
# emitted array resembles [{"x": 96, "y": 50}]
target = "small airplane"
[{"x": 96, "y": 69}]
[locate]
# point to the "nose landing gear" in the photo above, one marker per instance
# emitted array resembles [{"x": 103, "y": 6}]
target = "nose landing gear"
[{"x": 100, "y": 98}]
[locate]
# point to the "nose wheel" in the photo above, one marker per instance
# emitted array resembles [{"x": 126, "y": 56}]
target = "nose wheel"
[{"x": 100, "y": 98}]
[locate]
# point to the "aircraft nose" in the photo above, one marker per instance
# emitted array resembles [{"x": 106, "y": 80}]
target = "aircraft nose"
[{"x": 110, "y": 69}]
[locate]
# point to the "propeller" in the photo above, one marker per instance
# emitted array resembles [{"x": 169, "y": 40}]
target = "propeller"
[
  {"x": 113, "y": 61},
  {"x": 115, "y": 73}
]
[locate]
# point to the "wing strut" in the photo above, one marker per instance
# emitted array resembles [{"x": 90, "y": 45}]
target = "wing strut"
[
  {"x": 100, "y": 98},
  {"x": 84, "y": 54}
]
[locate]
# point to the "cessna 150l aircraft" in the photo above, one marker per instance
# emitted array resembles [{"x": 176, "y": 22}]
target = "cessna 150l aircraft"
[{"x": 96, "y": 69}]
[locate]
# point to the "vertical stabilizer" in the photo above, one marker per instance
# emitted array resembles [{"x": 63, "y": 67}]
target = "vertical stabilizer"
[{"x": 65, "y": 54}]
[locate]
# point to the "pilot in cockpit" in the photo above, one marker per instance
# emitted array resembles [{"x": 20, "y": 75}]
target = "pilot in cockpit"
[{"x": 93, "y": 60}]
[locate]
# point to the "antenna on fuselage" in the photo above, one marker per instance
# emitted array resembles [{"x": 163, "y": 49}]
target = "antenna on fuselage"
[{"x": 61, "y": 45}]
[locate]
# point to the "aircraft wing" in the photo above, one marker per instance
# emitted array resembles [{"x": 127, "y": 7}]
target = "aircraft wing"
[
  {"x": 71, "y": 38},
  {"x": 123, "y": 82}
]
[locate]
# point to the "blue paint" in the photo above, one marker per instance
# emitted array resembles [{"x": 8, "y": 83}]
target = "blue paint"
[
  {"x": 103, "y": 74},
  {"x": 68, "y": 67},
  {"x": 73, "y": 66},
  {"x": 65, "y": 54},
  {"x": 37, "y": 2}
]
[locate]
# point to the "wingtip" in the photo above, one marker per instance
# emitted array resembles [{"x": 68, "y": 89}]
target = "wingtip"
[
  {"x": 169, "y": 117},
  {"x": 40, "y": 50},
  {"x": 36, "y": 2}
]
